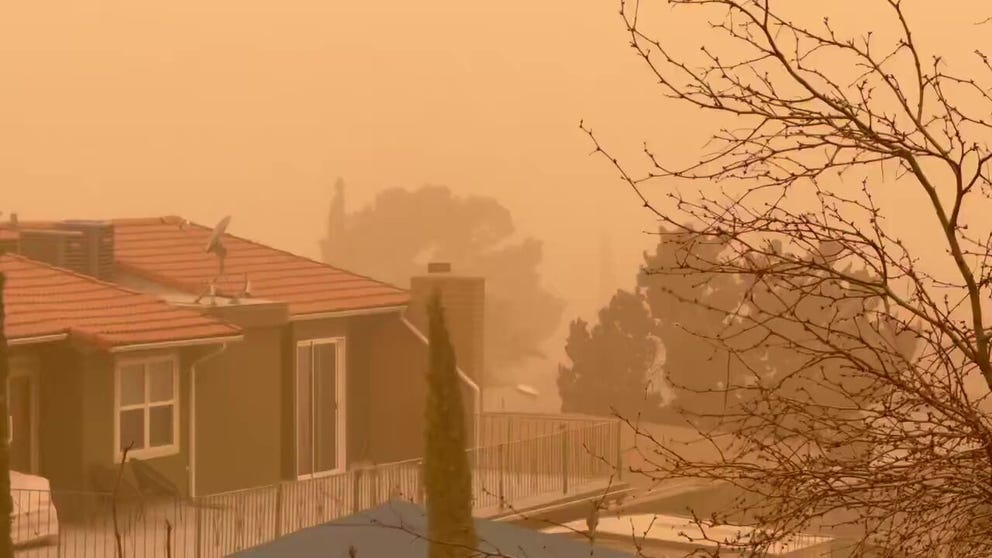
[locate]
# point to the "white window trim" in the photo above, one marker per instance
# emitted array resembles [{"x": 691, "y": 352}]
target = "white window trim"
[
  {"x": 22, "y": 368},
  {"x": 341, "y": 434},
  {"x": 158, "y": 451}
]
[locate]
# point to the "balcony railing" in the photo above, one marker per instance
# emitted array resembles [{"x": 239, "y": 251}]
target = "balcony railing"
[{"x": 526, "y": 460}]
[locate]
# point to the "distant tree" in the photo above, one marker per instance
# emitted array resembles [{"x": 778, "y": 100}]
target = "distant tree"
[
  {"x": 6, "y": 502},
  {"x": 447, "y": 477},
  {"x": 698, "y": 370},
  {"x": 401, "y": 230},
  {"x": 714, "y": 367},
  {"x": 612, "y": 368}
]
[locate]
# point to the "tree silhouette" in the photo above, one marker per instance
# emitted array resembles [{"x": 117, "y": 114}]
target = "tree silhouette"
[
  {"x": 401, "y": 230},
  {"x": 447, "y": 477},
  {"x": 612, "y": 366},
  {"x": 703, "y": 377}
]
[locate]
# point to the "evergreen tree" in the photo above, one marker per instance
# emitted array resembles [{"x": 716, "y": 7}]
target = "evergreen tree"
[
  {"x": 698, "y": 370},
  {"x": 612, "y": 365},
  {"x": 477, "y": 235},
  {"x": 447, "y": 477},
  {"x": 6, "y": 504}
]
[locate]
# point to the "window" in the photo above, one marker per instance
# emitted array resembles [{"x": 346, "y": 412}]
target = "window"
[
  {"x": 319, "y": 397},
  {"x": 147, "y": 395}
]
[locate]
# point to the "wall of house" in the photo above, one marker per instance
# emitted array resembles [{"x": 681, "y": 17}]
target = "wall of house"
[
  {"x": 76, "y": 418},
  {"x": 397, "y": 392},
  {"x": 238, "y": 414},
  {"x": 98, "y": 416},
  {"x": 60, "y": 411},
  {"x": 385, "y": 386}
]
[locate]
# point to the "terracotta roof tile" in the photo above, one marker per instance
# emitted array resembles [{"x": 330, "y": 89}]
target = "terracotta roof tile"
[
  {"x": 44, "y": 300},
  {"x": 160, "y": 250}
]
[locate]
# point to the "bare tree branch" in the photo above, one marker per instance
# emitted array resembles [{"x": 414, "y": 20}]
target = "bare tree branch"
[{"x": 869, "y": 367}]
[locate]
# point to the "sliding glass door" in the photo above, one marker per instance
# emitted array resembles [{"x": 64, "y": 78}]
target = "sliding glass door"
[{"x": 319, "y": 407}]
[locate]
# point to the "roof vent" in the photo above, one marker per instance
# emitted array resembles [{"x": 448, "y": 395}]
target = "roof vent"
[{"x": 438, "y": 267}]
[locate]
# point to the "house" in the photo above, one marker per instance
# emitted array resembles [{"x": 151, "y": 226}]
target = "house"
[
  {"x": 399, "y": 528},
  {"x": 289, "y": 369}
]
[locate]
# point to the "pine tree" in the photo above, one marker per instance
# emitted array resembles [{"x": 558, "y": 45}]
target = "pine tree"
[
  {"x": 6, "y": 503},
  {"x": 447, "y": 477}
]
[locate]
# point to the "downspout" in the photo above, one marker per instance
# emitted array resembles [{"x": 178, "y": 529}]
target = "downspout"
[
  {"x": 192, "y": 416},
  {"x": 477, "y": 393}
]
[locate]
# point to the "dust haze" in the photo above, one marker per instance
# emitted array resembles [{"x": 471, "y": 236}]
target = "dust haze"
[{"x": 254, "y": 108}]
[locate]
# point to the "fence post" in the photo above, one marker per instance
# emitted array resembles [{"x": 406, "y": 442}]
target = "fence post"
[
  {"x": 421, "y": 489},
  {"x": 619, "y": 435},
  {"x": 279, "y": 508},
  {"x": 198, "y": 527},
  {"x": 356, "y": 486},
  {"x": 564, "y": 459},
  {"x": 499, "y": 473},
  {"x": 376, "y": 488}
]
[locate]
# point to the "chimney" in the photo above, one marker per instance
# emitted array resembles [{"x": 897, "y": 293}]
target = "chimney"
[{"x": 463, "y": 299}]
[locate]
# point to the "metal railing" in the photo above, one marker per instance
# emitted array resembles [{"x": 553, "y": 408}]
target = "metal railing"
[
  {"x": 509, "y": 473},
  {"x": 498, "y": 427}
]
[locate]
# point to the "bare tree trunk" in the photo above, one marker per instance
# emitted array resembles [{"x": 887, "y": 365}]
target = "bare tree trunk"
[{"x": 113, "y": 502}]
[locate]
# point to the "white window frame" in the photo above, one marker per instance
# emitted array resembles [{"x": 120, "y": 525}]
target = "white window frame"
[
  {"x": 24, "y": 368},
  {"x": 341, "y": 386},
  {"x": 147, "y": 452}
]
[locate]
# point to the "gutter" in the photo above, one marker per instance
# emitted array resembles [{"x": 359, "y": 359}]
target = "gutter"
[
  {"x": 37, "y": 339},
  {"x": 176, "y": 344},
  {"x": 348, "y": 313},
  {"x": 462, "y": 375},
  {"x": 192, "y": 416}
]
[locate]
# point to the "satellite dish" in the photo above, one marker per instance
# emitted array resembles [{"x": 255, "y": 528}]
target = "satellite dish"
[
  {"x": 214, "y": 242},
  {"x": 216, "y": 246},
  {"x": 527, "y": 390}
]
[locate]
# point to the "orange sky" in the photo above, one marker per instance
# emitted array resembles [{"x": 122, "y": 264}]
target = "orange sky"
[{"x": 113, "y": 108}]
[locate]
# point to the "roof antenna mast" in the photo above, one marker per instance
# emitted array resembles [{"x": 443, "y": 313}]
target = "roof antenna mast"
[{"x": 215, "y": 245}]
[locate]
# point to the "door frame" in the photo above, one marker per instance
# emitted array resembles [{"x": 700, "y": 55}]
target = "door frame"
[
  {"x": 340, "y": 381},
  {"x": 26, "y": 368}
]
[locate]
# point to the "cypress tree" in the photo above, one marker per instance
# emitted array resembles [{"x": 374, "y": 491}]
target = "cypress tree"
[
  {"x": 6, "y": 503},
  {"x": 447, "y": 477}
]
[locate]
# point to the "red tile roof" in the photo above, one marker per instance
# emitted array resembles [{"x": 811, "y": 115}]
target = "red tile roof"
[
  {"x": 163, "y": 251},
  {"x": 43, "y": 300}
]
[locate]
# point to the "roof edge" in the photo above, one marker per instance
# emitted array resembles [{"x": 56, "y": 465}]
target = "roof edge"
[
  {"x": 176, "y": 344},
  {"x": 348, "y": 313},
  {"x": 37, "y": 339}
]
